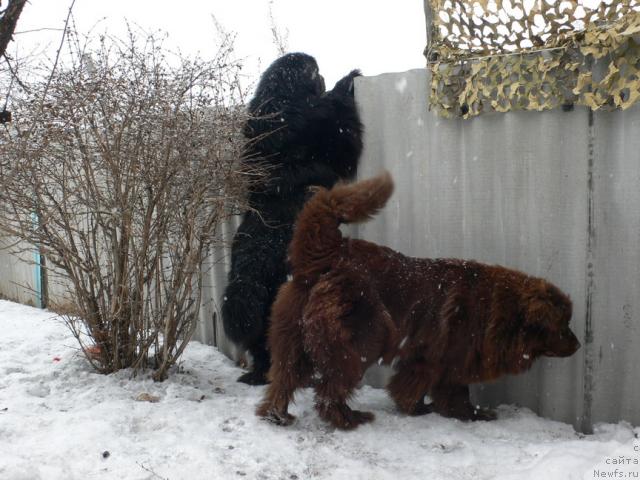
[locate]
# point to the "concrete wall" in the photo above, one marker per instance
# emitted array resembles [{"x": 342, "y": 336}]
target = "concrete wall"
[
  {"x": 616, "y": 266},
  {"x": 21, "y": 279},
  {"x": 554, "y": 194},
  {"x": 17, "y": 274},
  {"x": 210, "y": 328}
]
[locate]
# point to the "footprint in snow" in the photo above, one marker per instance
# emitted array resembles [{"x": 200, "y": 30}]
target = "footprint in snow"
[
  {"x": 10, "y": 370},
  {"x": 231, "y": 424},
  {"x": 444, "y": 448},
  {"x": 40, "y": 390}
]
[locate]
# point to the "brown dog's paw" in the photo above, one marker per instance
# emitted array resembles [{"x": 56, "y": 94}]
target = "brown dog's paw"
[
  {"x": 352, "y": 420},
  {"x": 278, "y": 418},
  {"x": 359, "y": 417},
  {"x": 273, "y": 415},
  {"x": 343, "y": 417}
]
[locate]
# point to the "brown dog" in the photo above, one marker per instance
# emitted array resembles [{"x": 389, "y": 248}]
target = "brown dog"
[{"x": 449, "y": 322}]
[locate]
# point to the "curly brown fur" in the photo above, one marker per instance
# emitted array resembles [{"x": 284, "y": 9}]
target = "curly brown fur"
[{"x": 449, "y": 323}]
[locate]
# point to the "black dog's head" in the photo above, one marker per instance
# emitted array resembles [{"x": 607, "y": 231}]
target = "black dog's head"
[
  {"x": 294, "y": 75},
  {"x": 290, "y": 85}
]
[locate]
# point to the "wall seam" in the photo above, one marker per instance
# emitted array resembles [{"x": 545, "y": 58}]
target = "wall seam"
[{"x": 588, "y": 366}]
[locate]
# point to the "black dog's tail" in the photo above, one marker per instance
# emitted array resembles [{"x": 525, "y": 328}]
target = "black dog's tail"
[
  {"x": 244, "y": 308},
  {"x": 317, "y": 236}
]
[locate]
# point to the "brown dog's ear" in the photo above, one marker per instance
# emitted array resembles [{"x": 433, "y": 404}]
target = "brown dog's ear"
[
  {"x": 540, "y": 312},
  {"x": 544, "y": 305}
]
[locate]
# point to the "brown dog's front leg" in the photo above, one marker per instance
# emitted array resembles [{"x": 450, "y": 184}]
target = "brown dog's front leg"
[
  {"x": 409, "y": 386},
  {"x": 453, "y": 401},
  {"x": 290, "y": 367}
]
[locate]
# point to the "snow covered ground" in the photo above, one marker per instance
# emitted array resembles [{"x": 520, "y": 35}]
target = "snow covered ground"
[{"x": 60, "y": 420}]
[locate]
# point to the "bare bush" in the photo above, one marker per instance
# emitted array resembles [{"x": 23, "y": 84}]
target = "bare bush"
[{"x": 119, "y": 166}]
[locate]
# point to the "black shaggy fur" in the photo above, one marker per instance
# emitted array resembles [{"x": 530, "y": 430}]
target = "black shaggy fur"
[{"x": 306, "y": 137}]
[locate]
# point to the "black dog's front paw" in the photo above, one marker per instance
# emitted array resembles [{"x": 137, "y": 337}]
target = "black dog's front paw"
[
  {"x": 345, "y": 84},
  {"x": 253, "y": 378}
]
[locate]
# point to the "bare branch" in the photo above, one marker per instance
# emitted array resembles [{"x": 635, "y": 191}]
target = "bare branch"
[
  {"x": 8, "y": 22},
  {"x": 57, "y": 57},
  {"x": 280, "y": 37}
]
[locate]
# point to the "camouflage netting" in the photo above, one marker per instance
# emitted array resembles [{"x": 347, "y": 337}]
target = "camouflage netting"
[{"x": 501, "y": 55}]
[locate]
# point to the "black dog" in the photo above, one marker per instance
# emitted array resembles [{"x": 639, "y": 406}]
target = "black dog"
[{"x": 305, "y": 137}]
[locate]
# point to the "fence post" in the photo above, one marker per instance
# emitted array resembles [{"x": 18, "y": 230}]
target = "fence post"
[{"x": 428, "y": 16}]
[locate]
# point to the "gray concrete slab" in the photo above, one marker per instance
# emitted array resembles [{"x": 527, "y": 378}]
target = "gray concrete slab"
[{"x": 543, "y": 192}]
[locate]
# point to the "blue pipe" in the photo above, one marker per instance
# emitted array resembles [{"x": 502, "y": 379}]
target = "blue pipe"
[{"x": 37, "y": 257}]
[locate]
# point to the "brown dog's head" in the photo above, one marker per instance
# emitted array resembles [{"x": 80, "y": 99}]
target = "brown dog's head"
[{"x": 547, "y": 312}]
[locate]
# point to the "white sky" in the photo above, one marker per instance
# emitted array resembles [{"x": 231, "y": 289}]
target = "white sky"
[{"x": 376, "y": 36}]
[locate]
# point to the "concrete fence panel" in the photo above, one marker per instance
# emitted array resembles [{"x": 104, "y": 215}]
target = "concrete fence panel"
[{"x": 554, "y": 194}]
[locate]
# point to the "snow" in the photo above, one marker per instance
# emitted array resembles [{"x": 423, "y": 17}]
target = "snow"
[{"x": 61, "y": 420}]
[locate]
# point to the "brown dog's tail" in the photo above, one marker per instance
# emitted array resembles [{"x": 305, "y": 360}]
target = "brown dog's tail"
[{"x": 317, "y": 237}]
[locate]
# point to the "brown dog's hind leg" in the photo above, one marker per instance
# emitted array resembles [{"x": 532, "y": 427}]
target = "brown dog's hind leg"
[
  {"x": 339, "y": 375},
  {"x": 453, "y": 401},
  {"x": 285, "y": 380},
  {"x": 279, "y": 393},
  {"x": 409, "y": 386},
  {"x": 290, "y": 367},
  {"x": 335, "y": 317},
  {"x": 331, "y": 404}
]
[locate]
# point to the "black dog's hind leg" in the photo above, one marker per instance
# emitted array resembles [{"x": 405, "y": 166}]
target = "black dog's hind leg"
[
  {"x": 245, "y": 314},
  {"x": 261, "y": 362},
  {"x": 258, "y": 270}
]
